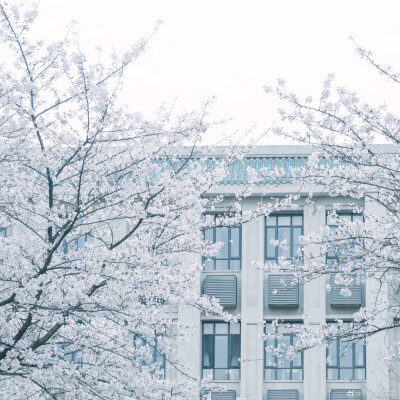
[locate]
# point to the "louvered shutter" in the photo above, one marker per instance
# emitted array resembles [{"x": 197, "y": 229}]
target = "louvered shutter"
[
  {"x": 222, "y": 287},
  {"x": 338, "y": 300},
  {"x": 346, "y": 394},
  {"x": 281, "y": 291},
  {"x": 283, "y": 394}
]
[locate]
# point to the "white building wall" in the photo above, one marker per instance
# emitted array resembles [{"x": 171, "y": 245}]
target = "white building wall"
[{"x": 252, "y": 310}]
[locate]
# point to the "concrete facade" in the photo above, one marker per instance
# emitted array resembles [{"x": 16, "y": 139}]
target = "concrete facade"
[{"x": 252, "y": 309}]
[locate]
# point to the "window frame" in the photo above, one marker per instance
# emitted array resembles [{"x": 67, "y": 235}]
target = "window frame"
[
  {"x": 229, "y": 353},
  {"x": 229, "y": 258},
  {"x": 276, "y": 359},
  {"x": 337, "y": 343},
  {"x": 276, "y": 226}
]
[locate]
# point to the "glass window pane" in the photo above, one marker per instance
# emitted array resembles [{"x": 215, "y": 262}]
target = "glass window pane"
[
  {"x": 234, "y": 265},
  {"x": 297, "y": 220},
  {"x": 330, "y": 220},
  {"x": 221, "y": 265},
  {"x": 269, "y": 328},
  {"x": 208, "y": 235},
  {"x": 208, "y": 351},
  {"x": 221, "y": 235},
  {"x": 346, "y": 373},
  {"x": 345, "y": 217},
  {"x": 269, "y": 374},
  {"x": 357, "y": 217},
  {"x": 332, "y": 355},
  {"x": 207, "y": 373},
  {"x": 221, "y": 327},
  {"x": 296, "y": 244},
  {"x": 359, "y": 373},
  {"x": 333, "y": 373},
  {"x": 220, "y": 374},
  {"x": 346, "y": 355},
  {"x": 271, "y": 221},
  {"x": 235, "y": 351},
  {"x": 208, "y": 265},
  {"x": 208, "y": 329},
  {"x": 235, "y": 242},
  {"x": 235, "y": 329},
  {"x": 269, "y": 359},
  {"x": 283, "y": 374},
  {"x": 221, "y": 352},
  {"x": 297, "y": 374},
  {"x": 359, "y": 354},
  {"x": 80, "y": 243},
  {"x": 284, "y": 220},
  {"x": 234, "y": 374},
  {"x": 284, "y": 235},
  {"x": 271, "y": 232},
  {"x": 297, "y": 360}
]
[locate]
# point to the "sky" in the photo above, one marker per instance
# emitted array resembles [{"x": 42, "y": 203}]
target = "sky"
[{"x": 228, "y": 50}]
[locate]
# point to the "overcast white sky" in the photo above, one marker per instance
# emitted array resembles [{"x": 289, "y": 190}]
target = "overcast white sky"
[{"x": 230, "y": 49}]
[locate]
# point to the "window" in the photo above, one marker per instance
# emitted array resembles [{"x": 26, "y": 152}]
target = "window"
[
  {"x": 332, "y": 258},
  {"x": 72, "y": 356},
  {"x": 3, "y": 232},
  {"x": 221, "y": 350},
  {"x": 345, "y": 359},
  {"x": 229, "y": 256},
  {"x": 284, "y": 228},
  {"x": 280, "y": 368},
  {"x": 78, "y": 244},
  {"x": 152, "y": 354}
]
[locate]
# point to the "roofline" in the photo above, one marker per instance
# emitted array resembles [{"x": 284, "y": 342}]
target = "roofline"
[{"x": 292, "y": 150}]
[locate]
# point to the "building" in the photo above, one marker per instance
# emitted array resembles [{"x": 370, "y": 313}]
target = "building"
[
  {"x": 235, "y": 355},
  {"x": 258, "y": 296}
]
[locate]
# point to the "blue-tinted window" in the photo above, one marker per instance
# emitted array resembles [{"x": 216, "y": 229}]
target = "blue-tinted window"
[
  {"x": 153, "y": 348},
  {"x": 3, "y": 232},
  {"x": 229, "y": 256},
  {"x": 284, "y": 228},
  {"x": 221, "y": 350},
  {"x": 346, "y": 359},
  {"x": 76, "y": 245},
  {"x": 70, "y": 355},
  {"x": 280, "y": 368},
  {"x": 333, "y": 259}
]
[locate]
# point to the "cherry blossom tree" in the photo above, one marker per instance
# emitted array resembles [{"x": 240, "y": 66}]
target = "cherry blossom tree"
[
  {"x": 346, "y": 163},
  {"x": 101, "y": 227}
]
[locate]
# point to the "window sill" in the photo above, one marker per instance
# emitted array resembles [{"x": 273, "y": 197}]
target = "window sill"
[
  {"x": 283, "y": 381},
  {"x": 346, "y": 381},
  {"x": 224, "y": 271}
]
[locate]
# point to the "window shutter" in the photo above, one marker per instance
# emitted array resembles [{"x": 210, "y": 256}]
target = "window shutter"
[
  {"x": 338, "y": 300},
  {"x": 283, "y": 294},
  {"x": 346, "y": 394},
  {"x": 228, "y": 395},
  {"x": 283, "y": 394},
  {"x": 222, "y": 287}
]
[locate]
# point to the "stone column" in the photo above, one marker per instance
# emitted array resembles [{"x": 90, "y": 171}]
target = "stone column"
[
  {"x": 315, "y": 307},
  {"x": 191, "y": 350},
  {"x": 377, "y": 346},
  {"x": 252, "y": 310}
]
